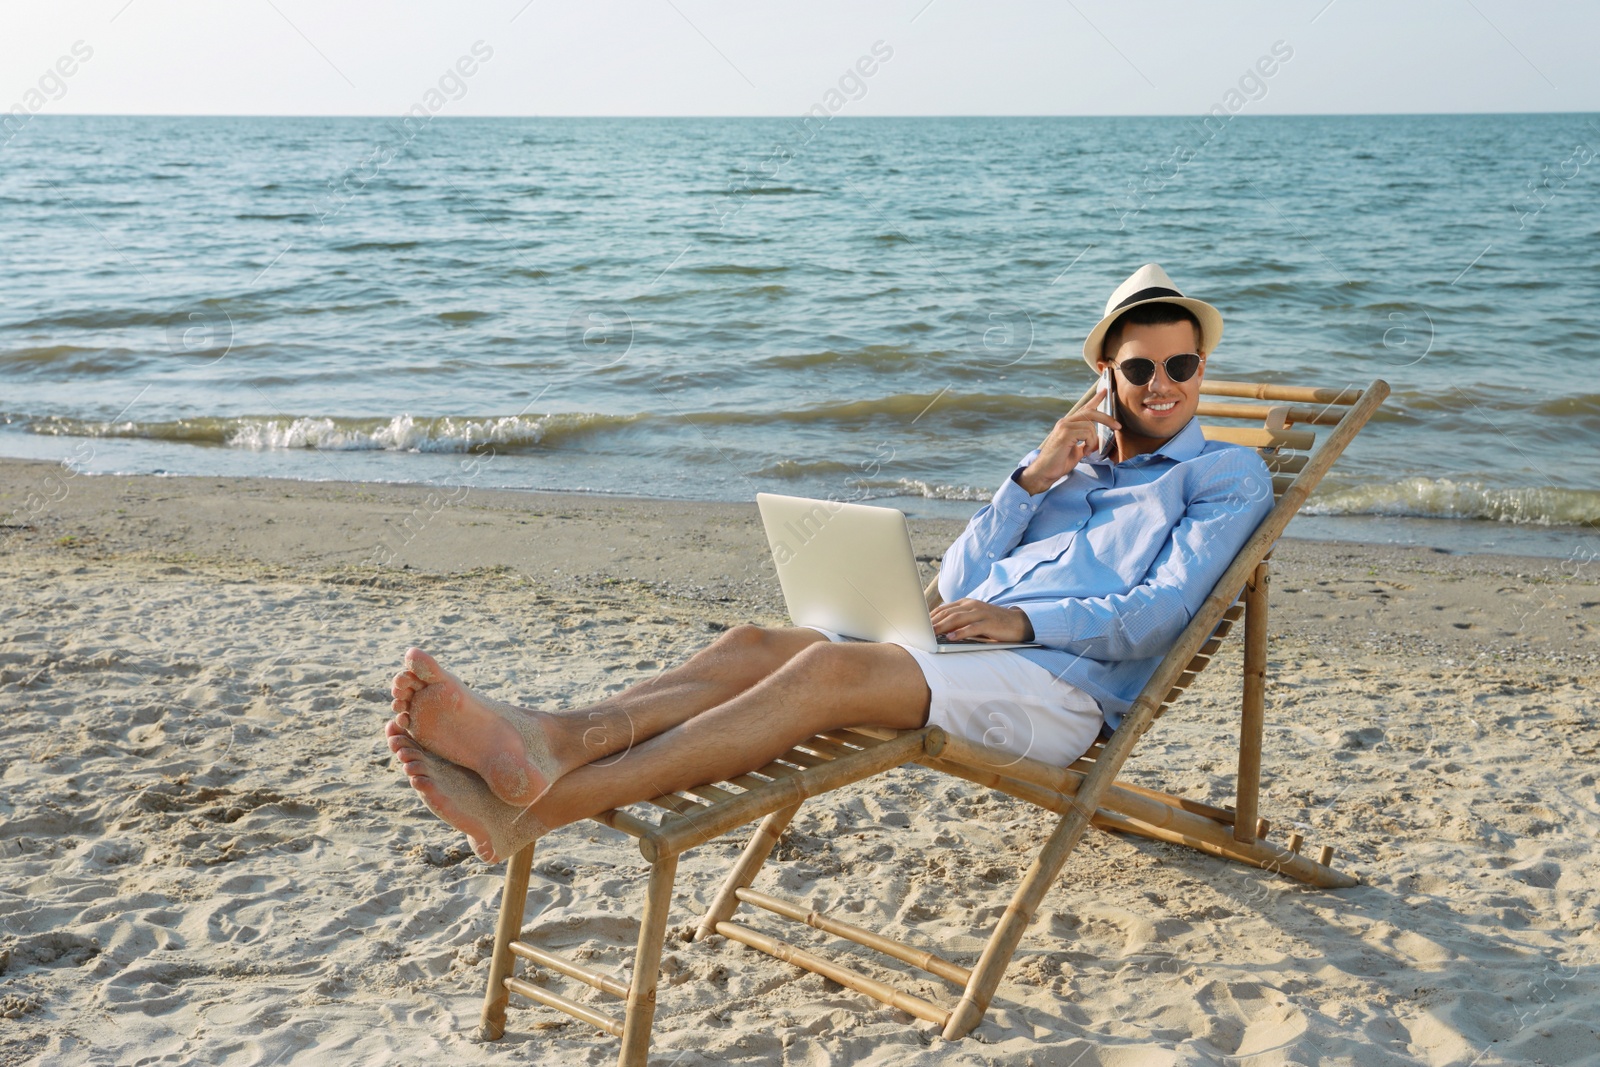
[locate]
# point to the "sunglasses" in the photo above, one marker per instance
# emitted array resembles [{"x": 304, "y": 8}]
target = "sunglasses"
[{"x": 1139, "y": 371}]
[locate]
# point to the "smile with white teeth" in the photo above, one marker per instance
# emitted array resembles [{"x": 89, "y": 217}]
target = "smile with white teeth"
[{"x": 1164, "y": 405}]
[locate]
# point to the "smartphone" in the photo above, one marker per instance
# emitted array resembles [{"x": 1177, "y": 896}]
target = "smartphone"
[{"x": 1108, "y": 406}]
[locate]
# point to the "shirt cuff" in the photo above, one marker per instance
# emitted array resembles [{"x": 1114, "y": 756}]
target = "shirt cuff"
[
  {"x": 1015, "y": 503},
  {"x": 1049, "y": 622}
]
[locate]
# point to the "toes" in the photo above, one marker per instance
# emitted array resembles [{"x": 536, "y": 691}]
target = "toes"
[
  {"x": 397, "y": 737},
  {"x": 483, "y": 848},
  {"x": 424, "y": 666}
]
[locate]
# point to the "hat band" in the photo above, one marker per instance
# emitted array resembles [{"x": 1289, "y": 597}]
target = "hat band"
[{"x": 1148, "y": 294}]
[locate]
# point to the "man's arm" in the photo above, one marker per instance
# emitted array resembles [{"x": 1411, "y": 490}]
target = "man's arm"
[
  {"x": 992, "y": 533},
  {"x": 997, "y": 528},
  {"x": 1144, "y": 621}
]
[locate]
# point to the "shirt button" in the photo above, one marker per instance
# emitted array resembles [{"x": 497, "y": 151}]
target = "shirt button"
[{"x": 991, "y": 555}]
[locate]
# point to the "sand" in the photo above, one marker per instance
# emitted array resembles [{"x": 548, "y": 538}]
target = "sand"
[{"x": 206, "y": 856}]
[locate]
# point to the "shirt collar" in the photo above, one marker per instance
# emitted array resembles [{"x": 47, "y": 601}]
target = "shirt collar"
[{"x": 1186, "y": 444}]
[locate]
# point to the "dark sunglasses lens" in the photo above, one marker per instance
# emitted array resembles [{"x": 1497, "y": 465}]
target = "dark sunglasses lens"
[
  {"x": 1137, "y": 371},
  {"x": 1182, "y": 368}
]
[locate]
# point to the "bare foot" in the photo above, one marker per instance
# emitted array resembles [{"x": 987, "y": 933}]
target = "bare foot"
[
  {"x": 496, "y": 830},
  {"x": 508, "y": 746}
]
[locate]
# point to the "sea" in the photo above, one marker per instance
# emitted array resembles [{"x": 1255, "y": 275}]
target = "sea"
[{"x": 879, "y": 309}]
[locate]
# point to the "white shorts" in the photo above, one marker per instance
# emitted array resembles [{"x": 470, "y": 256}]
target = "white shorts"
[{"x": 1006, "y": 701}]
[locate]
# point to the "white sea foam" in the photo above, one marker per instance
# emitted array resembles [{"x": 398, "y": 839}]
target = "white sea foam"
[
  {"x": 408, "y": 433},
  {"x": 916, "y": 487},
  {"x": 1442, "y": 498}
]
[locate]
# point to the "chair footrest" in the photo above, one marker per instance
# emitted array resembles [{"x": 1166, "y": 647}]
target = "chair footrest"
[
  {"x": 851, "y": 979},
  {"x": 561, "y": 965},
  {"x": 927, "y": 961},
  {"x": 594, "y": 1018},
  {"x": 1200, "y": 836}
]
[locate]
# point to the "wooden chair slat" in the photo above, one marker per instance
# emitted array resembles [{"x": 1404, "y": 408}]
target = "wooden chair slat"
[
  {"x": 823, "y": 747},
  {"x": 561, "y": 965},
  {"x": 678, "y": 805},
  {"x": 873, "y": 733},
  {"x": 1260, "y": 436},
  {"x": 1185, "y": 680},
  {"x": 1294, "y": 394},
  {"x": 1217, "y": 409},
  {"x": 845, "y": 976},
  {"x": 597, "y": 1019},
  {"x": 1285, "y": 462},
  {"x": 927, "y": 961},
  {"x": 710, "y": 794}
]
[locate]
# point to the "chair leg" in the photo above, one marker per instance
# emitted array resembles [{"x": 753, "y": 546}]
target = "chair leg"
[
  {"x": 1253, "y": 710},
  {"x": 513, "y": 901},
  {"x": 1019, "y": 913},
  {"x": 641, "y": 1011},
  {"x": 744, "y": 872}
]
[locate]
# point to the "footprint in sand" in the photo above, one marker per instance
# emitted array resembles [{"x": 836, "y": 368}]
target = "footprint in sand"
[{"x": 1245, "y": 1019}]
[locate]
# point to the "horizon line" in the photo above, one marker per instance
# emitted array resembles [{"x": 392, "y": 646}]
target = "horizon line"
[{"x": 785, "y": 115}]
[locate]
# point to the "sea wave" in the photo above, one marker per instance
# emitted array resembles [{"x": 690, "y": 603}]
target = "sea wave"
[
  {"x": 794, "y": 469},
  {"x": 53, "y": 360},
  {"x": 401, "y": 433},
  {"x": 879, "y": 488},
  {"x": 1582, "y": 406},
  {"x": 463, "y": 433},
  {"x": 869, "y": 357},
  {"x": 1442, "y": 498},
  {"x": 937, "y": 407}
]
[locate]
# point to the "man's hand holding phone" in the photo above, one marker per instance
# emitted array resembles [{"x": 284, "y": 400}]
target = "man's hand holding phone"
[{"x": 1074, "y": 436}]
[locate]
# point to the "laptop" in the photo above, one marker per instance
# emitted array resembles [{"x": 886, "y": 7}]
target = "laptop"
[{"x": 849, "y": 568}]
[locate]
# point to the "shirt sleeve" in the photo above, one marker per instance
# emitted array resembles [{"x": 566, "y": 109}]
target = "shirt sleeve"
[
  {"x": 990, "y": 536},
  {"x": 1227, "y": 506}
]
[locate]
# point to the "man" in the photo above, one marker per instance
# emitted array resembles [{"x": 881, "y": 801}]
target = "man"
[{"x": 1100, "y": 558}]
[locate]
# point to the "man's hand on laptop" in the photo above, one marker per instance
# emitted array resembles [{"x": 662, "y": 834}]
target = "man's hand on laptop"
[
  {"x": 976, "y": 620},
  {"x": 1074, "y": 436}
]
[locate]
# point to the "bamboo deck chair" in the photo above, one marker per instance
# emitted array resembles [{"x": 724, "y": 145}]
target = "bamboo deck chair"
[{"x": 1086, "y": 793}]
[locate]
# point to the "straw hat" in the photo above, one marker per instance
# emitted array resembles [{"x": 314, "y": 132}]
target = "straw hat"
[{"x": 1150, "y": 285}]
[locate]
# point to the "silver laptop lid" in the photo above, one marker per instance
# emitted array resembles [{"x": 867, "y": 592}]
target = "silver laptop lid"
[{"x": 847, "y": 568}]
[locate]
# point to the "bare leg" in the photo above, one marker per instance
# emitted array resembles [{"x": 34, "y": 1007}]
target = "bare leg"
[
  {"x": 826, "y": 686},
  {"x": 520, "y": 752}
]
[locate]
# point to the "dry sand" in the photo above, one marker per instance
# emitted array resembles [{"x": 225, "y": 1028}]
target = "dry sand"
[{"x": 206, "y": 857}]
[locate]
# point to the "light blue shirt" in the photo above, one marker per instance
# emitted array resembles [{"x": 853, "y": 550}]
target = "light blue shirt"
[{"x": 1112, "y": 561}]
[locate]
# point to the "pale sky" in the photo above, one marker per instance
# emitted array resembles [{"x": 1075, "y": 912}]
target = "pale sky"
[{"x": 700, "y": 57}]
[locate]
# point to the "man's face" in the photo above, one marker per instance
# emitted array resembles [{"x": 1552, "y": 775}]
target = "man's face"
[{"x": 1161, "y": 407}]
